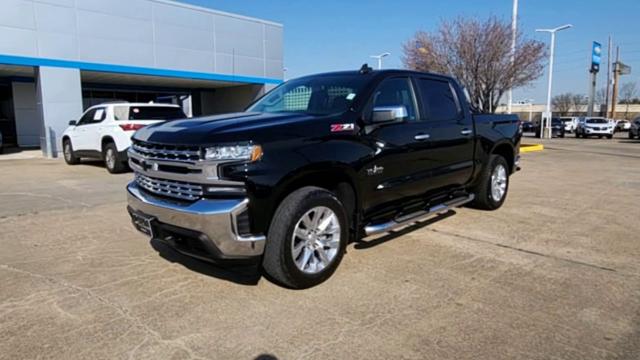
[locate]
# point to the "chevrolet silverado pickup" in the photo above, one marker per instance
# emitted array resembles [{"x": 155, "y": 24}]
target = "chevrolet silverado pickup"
[{"x": 317, "y": 162}]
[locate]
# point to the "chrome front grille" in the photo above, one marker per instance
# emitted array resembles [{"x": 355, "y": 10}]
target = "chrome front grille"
[
  {"x": 175, "y": 189},
  {"x": 166, "y": 152}
]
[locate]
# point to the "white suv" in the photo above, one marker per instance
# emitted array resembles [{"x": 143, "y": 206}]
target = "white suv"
[
  {"x": 104, "y": 131},
  {"x": 595, "y": 126},
  {"x": 570, "y": 123}
]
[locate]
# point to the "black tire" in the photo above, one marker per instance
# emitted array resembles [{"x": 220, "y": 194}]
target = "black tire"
[
  {"x": 577, "y": 135},
  {"x": 278, "y": 261},
  {"x": 561, "y": 135},
  {"x": 599, "y": 136},
  {"x": 111, "y": 161},
  {"x": 631, "y": 135},
  {"x": 484, "y": 198},
  {"x": 609, "y": 136},
  {"x": 69, "y": 155}
]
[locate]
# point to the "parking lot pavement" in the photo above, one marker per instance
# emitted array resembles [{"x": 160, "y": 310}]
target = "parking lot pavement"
[{"x": 552, "y": 274}]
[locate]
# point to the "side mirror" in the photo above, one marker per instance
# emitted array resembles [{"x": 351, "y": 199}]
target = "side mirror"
[
  {"x": 387, "y": 114},
  {"x": 72, "y": 123}
]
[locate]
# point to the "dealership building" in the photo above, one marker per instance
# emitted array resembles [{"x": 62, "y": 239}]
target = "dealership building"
[{"x": 58, "y": 57}]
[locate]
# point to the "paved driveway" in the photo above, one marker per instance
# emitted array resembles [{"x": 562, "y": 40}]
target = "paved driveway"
[{"x": 555, "y": 273}]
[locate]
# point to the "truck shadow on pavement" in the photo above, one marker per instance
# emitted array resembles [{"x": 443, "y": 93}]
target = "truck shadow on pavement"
[
  {"x": 366, "y": 244},
  {"x": 242, "y": 274}
]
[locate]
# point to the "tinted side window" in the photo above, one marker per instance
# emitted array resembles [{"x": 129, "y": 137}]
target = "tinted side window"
[
  {"x": 439, "y": 102},
  {"x": 98, "y": 115},
  {"x": 87, "y": 117},
  {"x": 396, "y": 92}
]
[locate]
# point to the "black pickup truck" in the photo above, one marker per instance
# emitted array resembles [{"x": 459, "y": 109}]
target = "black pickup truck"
[{"x": 318, "y": 162}]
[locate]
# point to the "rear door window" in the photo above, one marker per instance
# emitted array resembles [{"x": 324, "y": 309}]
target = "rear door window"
[{"x": 438, "y": 100}]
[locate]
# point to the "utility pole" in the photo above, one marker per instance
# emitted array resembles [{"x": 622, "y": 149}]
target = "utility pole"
[
  {"x": 616, "y": 74},
  {"x": 514, "y": 33},
  {"x": 606, "y": 96}
]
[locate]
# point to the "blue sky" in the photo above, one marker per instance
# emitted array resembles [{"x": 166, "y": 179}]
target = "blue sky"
[{"x": 335, "y": 35}]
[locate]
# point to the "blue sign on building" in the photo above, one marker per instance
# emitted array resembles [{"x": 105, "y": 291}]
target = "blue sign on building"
[{"x": 595, "y": 57}]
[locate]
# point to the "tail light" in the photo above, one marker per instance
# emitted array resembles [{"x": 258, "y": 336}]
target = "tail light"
[{"x": 131, "y": 127}]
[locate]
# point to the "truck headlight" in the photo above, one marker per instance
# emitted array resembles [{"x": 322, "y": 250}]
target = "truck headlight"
[{"x": 234, "y": 152}]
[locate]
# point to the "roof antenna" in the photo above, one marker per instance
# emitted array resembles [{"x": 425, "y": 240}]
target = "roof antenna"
[{"x": 365, "y": 69}]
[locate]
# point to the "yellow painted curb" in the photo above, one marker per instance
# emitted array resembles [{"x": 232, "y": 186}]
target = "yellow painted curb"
[{"x": 525, "y": 148}]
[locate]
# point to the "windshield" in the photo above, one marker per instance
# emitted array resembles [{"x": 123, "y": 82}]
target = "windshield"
[
  {"x": 597, "y": 121},
  {"x": 566, "y": 119},
  {"x": 556, "y": 122},
  {"x": 148, "y": 113},
  {"x": 314, "y": 95}
]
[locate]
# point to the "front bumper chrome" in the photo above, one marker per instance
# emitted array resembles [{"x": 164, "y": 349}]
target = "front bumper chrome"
[{"x": 216, "y": 220}]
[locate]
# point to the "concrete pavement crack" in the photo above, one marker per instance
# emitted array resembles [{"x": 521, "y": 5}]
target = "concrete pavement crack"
[{"x": 531, "y": 252}]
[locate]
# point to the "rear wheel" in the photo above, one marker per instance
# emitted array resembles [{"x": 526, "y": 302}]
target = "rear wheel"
[
  {"x": 306, "y": 239},
  {"x": 69, "y": 156},
  {"x": 111, "y": 161},
  {"x": 493, "y": 186}
]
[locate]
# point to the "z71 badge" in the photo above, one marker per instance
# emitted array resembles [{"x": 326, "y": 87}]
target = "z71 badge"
[{"x": 342, "y": 127}]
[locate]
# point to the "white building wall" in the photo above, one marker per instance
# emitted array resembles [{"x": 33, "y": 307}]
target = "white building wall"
[
  {"x": 59, "y": 100},
  {"x": 145, "y": 33}
]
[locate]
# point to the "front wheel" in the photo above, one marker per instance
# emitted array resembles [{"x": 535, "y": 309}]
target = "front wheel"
[
  {"x": 69, "y": 156},
  {"x": 307, "y": 238},
  {"x": 630, "y": 135},
  {"x": 492, "y": 188},
  {"x": 609, "y": 136}
]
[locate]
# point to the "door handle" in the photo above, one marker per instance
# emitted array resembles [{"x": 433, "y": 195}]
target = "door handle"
[
  {"x": 466, "y": 132},
  {"x": 422, "y": 136}
]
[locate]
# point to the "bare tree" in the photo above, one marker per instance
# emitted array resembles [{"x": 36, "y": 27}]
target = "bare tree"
[
  {"x": 562, "y": 103},
  {"x": 601, "y": 96},
  {"x": 578, "y": 101},
  {"x": 628, "y": 91},
  {"x": 477, "y": 53}
]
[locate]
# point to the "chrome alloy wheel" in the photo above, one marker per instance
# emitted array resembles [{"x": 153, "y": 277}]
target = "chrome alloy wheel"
[
  {"x": 110, "y": 158},
  {"x": 498, "y": 182},
  {"x": 315, "y": 240}
]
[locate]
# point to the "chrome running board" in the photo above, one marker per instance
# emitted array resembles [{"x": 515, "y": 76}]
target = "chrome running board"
[{"x": 417, "y": 216}]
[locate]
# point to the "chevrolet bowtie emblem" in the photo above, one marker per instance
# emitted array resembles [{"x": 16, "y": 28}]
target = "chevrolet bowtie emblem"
[{"x": 146, "y": 166}]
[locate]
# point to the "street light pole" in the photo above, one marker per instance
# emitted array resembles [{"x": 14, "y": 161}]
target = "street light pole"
[
  {"x": 546, "y": 117},
  {"x": 379, "y": 57},
  {"x": 514, "y": 29}
]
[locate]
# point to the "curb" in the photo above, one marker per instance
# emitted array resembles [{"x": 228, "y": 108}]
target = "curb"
[{"x": 525, "y": 148}]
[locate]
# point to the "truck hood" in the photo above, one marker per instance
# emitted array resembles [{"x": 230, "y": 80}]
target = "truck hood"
[{"x": 232, "y": 127}]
